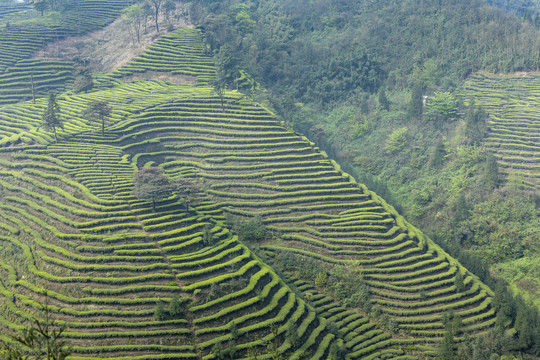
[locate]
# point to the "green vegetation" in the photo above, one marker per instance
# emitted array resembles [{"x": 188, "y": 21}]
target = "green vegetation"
[
  {"x": 326, "y": 74},
  {"x": 279, "y": 252}
]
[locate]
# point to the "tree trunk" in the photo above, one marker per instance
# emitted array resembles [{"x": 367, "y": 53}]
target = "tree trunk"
[
  {"x": 33, "y": 89},
  {"x": 156, "y": 18},
  {"x": 154, "y": 205},
  {"x": 55, "y": 138},
  {"x": 103, "y": 126}
]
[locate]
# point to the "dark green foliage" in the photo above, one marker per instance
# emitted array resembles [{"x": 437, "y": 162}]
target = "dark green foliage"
[
  {"x": 453, "y": 327},
  {"x": 185, "y": 188},
  {"x": 220, "y": 86},
  {"x": 98, "y": 111},
  {"x": 160, "y": 314},
  {"x": 415, "y": 106},
  {"x": 227, "y": 65},
  {"x": 151, "y": 185},
  {"x": 349, "y": 286},
  {"x": 475, "y": 123},
  {"x": 360, "y": 298},
  {"x": 176, "y": 308},
  {"x": 383, "y": 100},
  {"x": 527, "y": 325},
  {"x": 491, "y": 172},
  {"x": 156, "y": 8},
  {"x": 462, "y": 209},
  {"x": 83, "y": 81},
  {"x": 208, "y": 238},
  {"x": 233, "y": 330},
  {"x": 218, "y": 351},
  {"x": 439, "y": 153},
  {"x": 292, "y": 335},
  {"x": 51, "y": 119},
  {"x": 251, "y": 229},
  {"x": 337, "y": 351},
  {"x": 40, "y": 5},
  {"x": 168, "y": 8},
  {"x": 458, "y": 282}
]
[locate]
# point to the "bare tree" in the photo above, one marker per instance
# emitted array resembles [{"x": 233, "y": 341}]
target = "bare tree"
[{"x": 157, "y": 6}]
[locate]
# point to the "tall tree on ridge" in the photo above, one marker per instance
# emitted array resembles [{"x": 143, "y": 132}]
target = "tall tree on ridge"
[
  {"x": 151, "y": 185},
  {"x": 39, "y": 5},
  {"x": 98, "y": 111},
  {"x": 51, "y": 116}
]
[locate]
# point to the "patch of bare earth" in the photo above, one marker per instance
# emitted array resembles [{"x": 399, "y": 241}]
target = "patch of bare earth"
[
  {"x": 179, "y": 79},
  {"x": 115, "y": 45}
]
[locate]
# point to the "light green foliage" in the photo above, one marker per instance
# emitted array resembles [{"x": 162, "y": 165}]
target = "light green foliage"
[
  {"x": 427, "y": 74},
  {"x": 397, "y": 140},
  {"x": 244, "y": 23},
  {"x": 442, "y": 106},
  {"x": 321, "y": 278}
]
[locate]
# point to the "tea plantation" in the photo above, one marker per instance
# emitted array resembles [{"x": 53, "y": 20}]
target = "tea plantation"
[
  {"x": 128, "y": 282},
  {"x": 513, "y": 127}
]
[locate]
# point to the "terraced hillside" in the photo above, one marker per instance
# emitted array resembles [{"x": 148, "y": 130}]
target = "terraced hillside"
[
  {"x": 131, "y": 283},
  {"x": 72, "y": 228},
  {"x": 256, "y": 167},
  {"x": 179, "y": 53},
  {"x": 514, "y": 122},
  {"x": 21, "y": 38},
  {"x": 34, "y": 78}
]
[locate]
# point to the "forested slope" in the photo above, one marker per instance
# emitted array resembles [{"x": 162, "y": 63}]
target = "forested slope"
[{"x": 381, "y": 87}]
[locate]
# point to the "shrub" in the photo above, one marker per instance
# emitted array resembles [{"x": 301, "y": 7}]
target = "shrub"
[
  {"x": 252, "y": 229},
  {"x": 396, "y": 140}
]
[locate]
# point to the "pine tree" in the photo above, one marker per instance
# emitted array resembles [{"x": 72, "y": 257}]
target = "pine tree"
[
  {"x": 458, "y": 281},
  {"x": 491, "y": 172},
  {"x": 462, "y": 209},
  {"x": 416, "y": 106},
  {"x": 475, "y": 123},
  {"x": 439, "y": 153},
  {"x": 51, "y": 116},
  {"x": 383, "y": 100}
]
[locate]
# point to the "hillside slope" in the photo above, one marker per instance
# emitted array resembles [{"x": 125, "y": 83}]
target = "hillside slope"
[
  {"x": 73, "y": 229},
  {"x": 514, "y": 123}
]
